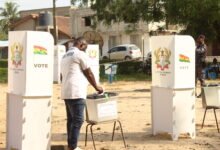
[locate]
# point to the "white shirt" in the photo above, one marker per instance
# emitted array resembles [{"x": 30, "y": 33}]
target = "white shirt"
[{"x": 74, "y": 83}]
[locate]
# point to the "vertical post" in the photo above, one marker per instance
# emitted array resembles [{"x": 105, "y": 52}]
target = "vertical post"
[
  {"x": 143, "y": 46},
  {"x": 54, "y": 22}
]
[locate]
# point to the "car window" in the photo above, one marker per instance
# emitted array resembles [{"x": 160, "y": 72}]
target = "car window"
[
  {"x": 133, "y": 48},
  {"x": 120, "y": 49},
  {"x": 112, "y": 50}
]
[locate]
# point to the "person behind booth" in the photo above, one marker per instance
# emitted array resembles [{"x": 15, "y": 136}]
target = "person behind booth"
[
  {"x": 75, "y": 69},
  {"x": 214, "y": 68},
  {"x": 201, "y": 51}
]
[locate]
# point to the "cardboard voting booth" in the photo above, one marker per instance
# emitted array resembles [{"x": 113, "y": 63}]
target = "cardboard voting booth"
[
  {"x": 30, "y": 79},
  {"x": 173, "y": 61},
  {"x": 30, "y": 63},
  {"x": 173, "y": 111},
  {"x": 93, "y": 53},
  {"x": 59, "y": 51},
  {"x": 173, "y": 85},
  {"x": 28, "y": 122}
]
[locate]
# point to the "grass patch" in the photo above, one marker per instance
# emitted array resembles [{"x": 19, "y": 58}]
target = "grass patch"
[
  {"x": 128, "y": 77},
  {"x": 3, "y": 75},
  {"x": 3, "y": 63}
]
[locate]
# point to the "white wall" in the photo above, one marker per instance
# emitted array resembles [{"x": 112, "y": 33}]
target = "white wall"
[{"x": 117, "y": 29}]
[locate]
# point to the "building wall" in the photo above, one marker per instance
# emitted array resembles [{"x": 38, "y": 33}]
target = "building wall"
[{"x": 113, "y": 35}]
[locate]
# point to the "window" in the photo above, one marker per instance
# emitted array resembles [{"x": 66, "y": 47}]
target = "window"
[
  {"x": 113, "y": 50},
  {"x": 112, "y": 41},
  {"x": 120, "y": 49},
  {"x": 136, "y": 39},
  {"x": 88, "y": 21}
]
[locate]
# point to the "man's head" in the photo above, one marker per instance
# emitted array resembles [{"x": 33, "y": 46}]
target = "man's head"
[
  {"x": 80, "y": 43},
  {"x": 201, "y": 39}
]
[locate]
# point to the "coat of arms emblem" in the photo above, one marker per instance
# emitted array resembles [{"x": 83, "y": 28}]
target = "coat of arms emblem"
[
  {"x": 162, "y": 56},
  {"x": 92, "y": 53},
  {"x": 16, "y": 57}
]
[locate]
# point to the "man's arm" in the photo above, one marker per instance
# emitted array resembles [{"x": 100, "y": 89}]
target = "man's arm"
[{"x": 90, "y": 77}]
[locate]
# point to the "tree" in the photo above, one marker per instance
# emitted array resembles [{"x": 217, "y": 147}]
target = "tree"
[
  {"x": 8, "y": 15},
  {"x": 196, "y": 16},
  {"x": 130, "y": 11},
  {"x": 3, "y": 36},
  {"x": 81, "y": 3}
]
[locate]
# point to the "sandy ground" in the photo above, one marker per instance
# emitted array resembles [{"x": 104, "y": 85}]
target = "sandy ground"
[{"x": 134, "y": 109}]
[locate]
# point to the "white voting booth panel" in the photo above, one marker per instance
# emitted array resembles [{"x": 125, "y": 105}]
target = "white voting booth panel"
[
  {"x": 93, "y": 53},
  {"x": 102, "y": 109},
  {"x": 173, "y": 83},
  {"x": 173, "y": 61},
  {"x": 173, "y": 111},
  {"x": 30, "y": 63},
  {"x": 28, "y": 122},
  {"x": 59, "y": 51},
  {"x": 30, "y": 83}
]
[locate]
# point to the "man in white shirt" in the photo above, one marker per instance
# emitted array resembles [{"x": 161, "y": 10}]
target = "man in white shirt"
[{"x": 75, "y": 71}]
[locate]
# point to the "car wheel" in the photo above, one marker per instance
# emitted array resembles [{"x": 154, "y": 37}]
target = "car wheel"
[
  {"x": 105, "y": 57},
  {"x": 127, "y": 58}
]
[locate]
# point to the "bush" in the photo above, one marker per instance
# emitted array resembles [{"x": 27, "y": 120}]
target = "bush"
[
  {"x": 130, "y": 67},
  {"x": 3, "y": 63},
  {"x": 3, "y": 75}
]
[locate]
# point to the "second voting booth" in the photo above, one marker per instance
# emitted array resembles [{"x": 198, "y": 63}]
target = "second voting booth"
[
  {"x": 30, "y": 79},
  {"x": 173, "y": 85},
  {"x": 59, "y": 51},
  {"x": 93, "y": 53}
]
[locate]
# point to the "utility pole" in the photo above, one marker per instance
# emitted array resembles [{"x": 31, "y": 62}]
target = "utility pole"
[{"x": 54, "y": 22}]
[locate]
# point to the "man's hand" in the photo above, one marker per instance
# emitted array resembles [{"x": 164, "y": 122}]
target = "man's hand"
[
  {"x": 90, "y": 77},
  {"x": 99, "y": 89}
]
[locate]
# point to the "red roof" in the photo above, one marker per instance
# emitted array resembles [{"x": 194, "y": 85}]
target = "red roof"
[{"x": 63, "y": 23}]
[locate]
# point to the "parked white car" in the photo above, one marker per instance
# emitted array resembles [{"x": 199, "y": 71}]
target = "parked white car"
[{"x": 126, "y": 51}]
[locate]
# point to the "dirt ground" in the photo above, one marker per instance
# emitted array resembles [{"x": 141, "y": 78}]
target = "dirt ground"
[{"x": 134, "y": 110}]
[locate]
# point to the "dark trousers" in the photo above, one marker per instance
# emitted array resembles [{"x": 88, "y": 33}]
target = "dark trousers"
[
  {"x": 200, "y": 75},
  {"x": 75, "y": 118}
]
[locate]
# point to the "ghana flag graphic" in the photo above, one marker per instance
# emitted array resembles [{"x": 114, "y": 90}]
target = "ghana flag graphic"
[
  {"x": 40, "y": 50},
  {"x": 183, "y": 58}
]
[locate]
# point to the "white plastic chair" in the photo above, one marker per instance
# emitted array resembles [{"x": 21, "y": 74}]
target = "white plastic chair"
[{"x": 211, "y": 100}]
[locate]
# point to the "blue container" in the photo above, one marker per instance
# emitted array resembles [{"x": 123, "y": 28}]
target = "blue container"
[{"x": 212, "y": 75}]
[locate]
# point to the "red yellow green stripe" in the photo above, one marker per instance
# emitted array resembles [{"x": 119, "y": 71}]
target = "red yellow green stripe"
[
  {"x": 40, "y": 50},
  {"x": 183, "y": 58}
]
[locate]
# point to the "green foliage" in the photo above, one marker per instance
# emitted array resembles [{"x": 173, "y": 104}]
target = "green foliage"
[
  {"x": 3, "y": 63},
  {"x": 127, "y": 71},
  {"x": 81, "y": 3},
  {"x": 140, "y": 76},
  {"x": 129, "y": 67},
  {"x": 195, "y": 16},
  {"x": 111, "y": 11},
  {"x": 198, "y": 16},
  {"x": 3, "y": 75},
  {"x": 9, "y": 13},
  {"x": 125, "y": 68},
  {"x": 3, "y": 36}
]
